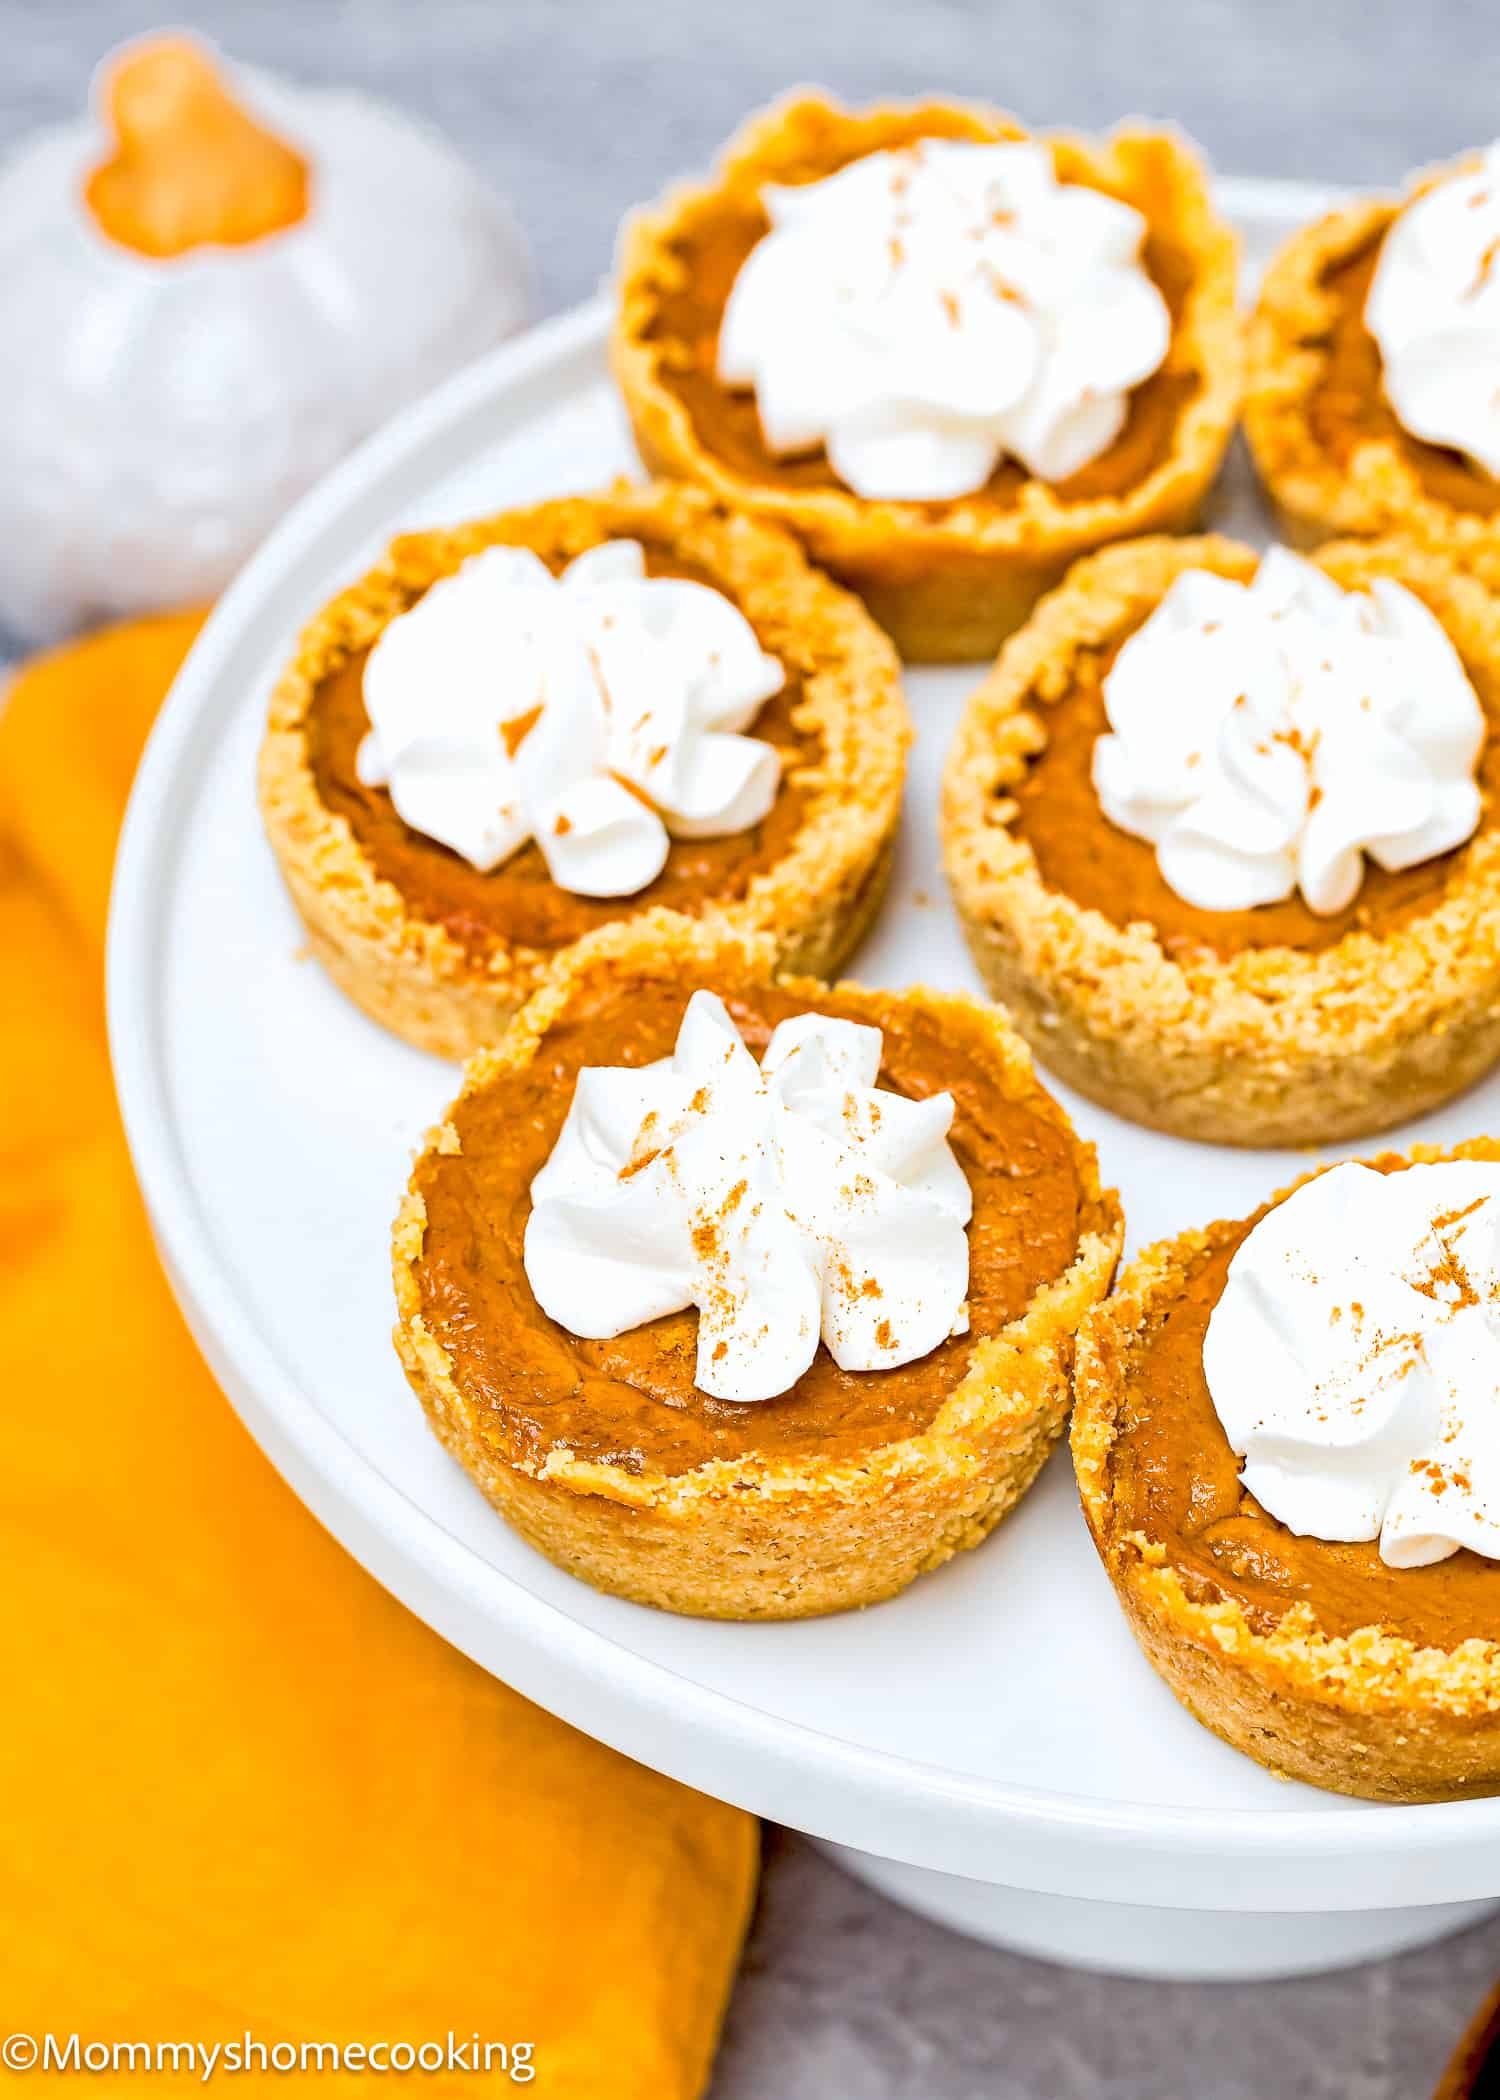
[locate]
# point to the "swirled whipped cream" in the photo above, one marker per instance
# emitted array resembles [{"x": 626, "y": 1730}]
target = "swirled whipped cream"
[
  {"x": 1265, "y": 737},
  {"x": 928, "y": 310},
  {"x": 1434, "y": 310},
  {"x": 1354, "y": 1359},
  {"x": 597, "y": 712},
  {"x": 791, "y": 1201}
]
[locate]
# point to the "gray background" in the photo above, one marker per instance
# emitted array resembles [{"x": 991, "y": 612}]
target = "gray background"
[{"x": 575, "y": 110}]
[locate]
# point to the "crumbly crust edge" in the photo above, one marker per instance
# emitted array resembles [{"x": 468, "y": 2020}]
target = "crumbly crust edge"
[
  {"x": 663, "y": 942},
  {"x": 413, "y": 974},
  {"x": 1372, "y": 1672},
  {"x": 848, "y": 530},
  {"x": 1266, "y": 1004}
]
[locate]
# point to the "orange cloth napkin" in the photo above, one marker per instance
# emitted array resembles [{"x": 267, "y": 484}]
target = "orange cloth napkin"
[{"x": 240, "y": 1787}]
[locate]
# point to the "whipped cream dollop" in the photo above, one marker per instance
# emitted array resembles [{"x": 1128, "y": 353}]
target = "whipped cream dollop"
[
  {"x": 791, "y": 1201},
  {"x": 1434, "y": 310},
  {"x": 598, "y": 713},
  {"x": 1354, "y": 1359},
  {"x": 928, "y": 310},
  {"x": 1265, "y": 737}
]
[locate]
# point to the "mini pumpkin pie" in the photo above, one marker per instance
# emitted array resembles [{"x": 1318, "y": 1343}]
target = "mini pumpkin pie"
[
  {"x": 1371, "y": 405},
  {"x": 949, "y": 357},
  {"x": 1222, "y": 834},
  {"x": 510, "y": 734},
  {"x": 743, "y": 1296},
  {"x": 1288, "y": 1450}
]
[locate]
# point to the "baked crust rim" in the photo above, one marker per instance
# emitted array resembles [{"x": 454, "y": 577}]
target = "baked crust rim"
[
  {"x": 1132, "y": 1024},
  {"x": 897, "y": 553},
  {"x": 1377, "y": 492},
  {"x": 983, "y": 1446},
  {"x": 1299, "y": 1673},
  {"x": 411, "y": 974}
]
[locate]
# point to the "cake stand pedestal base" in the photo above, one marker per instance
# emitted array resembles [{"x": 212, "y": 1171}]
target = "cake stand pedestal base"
[{"x": 1129, "y": 1939}]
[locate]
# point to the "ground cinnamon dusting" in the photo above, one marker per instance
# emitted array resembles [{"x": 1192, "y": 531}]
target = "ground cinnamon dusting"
[
  {"x": 708, "y": 251},
  {"x": 516, "y": 730},
  {"x": 1446, "y": 1280},
  {"x": 537, "y": 1386},
  {"x": 1176, "y": 1479},
  {"x": 1486, "y": 265},
  {"x": 518, "y": 904},
  {"x": 1079, "y": 853}
]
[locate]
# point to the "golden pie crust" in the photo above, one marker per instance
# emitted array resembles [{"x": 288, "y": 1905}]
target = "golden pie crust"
[
  {"x": 815, "y": 899},
  {"x": 1268, "y": 1046},
  {"x": 948, "y": 581},
  {"x": 1363, "y": 1711},
  {"x": 1378, "y": 486},
  {"x": 776, "y": 1524}
]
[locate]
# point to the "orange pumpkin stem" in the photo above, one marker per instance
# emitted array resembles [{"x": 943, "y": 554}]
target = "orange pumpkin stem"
[{"x": 190, "y": 167}]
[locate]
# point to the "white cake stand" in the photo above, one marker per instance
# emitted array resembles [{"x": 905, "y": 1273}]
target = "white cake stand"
[{"x": 989, "y": 1748}]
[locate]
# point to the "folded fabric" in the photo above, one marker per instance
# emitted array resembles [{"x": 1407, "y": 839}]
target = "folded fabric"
[{"x": 242, "y": 1791}]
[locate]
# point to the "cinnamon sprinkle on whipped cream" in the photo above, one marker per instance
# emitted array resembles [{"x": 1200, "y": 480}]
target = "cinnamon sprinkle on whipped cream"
[
  {"x": 599, "y": 713},
  {"x": 1266, "y": 737},
  {"x": 931, "y": 309},
  {"x": 792, "y": 1202},
  {"x": 1354, "y": 1359}
]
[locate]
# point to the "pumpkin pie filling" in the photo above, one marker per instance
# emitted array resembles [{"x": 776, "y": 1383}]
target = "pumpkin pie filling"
[
  {"x": 518, "y": 903},
  {"x": 1349, "y": 406},
  {"x": 1175, "y": 1479},
  {"x": 632, "y": 1401},
  {"x": 711, "y": 249},
  {"x": 1080, "y": 853}
]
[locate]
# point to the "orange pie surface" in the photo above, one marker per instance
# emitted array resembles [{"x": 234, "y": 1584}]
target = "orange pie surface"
[
  {"x": 1080, "y": 853},
  {"x": 518, "y": 903},
  {"x": 1349, "y": 405},
  {"x": 710, "y": 249},
  {"x": 1175, "y": 1479},
  {"x": 632, "y": 1400}
]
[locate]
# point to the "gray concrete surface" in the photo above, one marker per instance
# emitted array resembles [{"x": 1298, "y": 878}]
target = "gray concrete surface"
[{"x": 575, "y": 109}]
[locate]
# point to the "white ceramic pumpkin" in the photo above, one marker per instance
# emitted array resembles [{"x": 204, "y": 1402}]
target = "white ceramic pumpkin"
[{"x": 160, "y": 413}]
